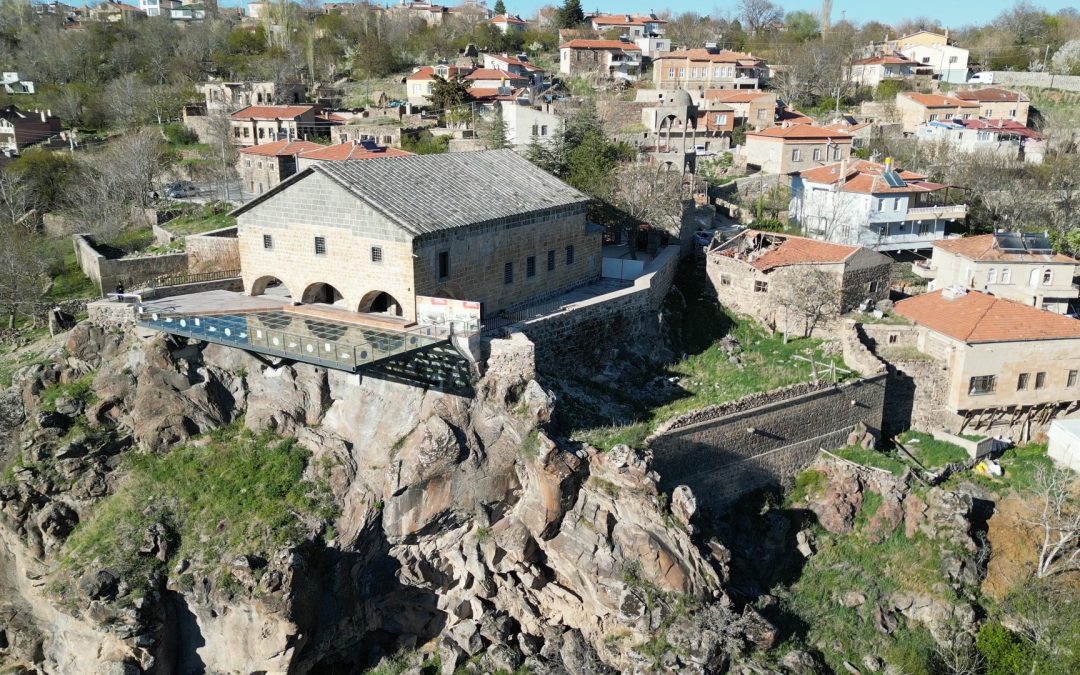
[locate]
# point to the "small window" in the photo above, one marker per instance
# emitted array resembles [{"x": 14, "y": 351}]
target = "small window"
[
  {"x": 817, "y": 154},
  {"x": 320, "y": 245},
  {"x": 1040, "y": 380},
  {"x": 530, "y": 266},
  {"x": 247, "y": 132},
  {"x": 1071, "y": 381},
  {"x": 570, "y": 255},
  {"x": 508, "y": 273},
  {"x": 376, "y": 254},
  {"x": 761, "y": 286},
  {"x": 1022, "y": 382},
  {"x": 893, "y": 338},
  {"x": 991, "y": 276},
  {"x": 247, "y": 163},
  {"x": 795, "y": 154},
  {"x": 1048, "y": 277},
  {"x": 933, "y": 118},
  {"x": 836, "y": 152},
  {"x": 535, "y": 129},
  {"x": 1006, "y": 275},
  {"x": 982, "y": 385},
  {"x": 268, "y": 241},
  {"x": 551, "y": 260},
  {"x": 258, "y": 165},
  {"x": 873, "y": 286},
  {"x": 725, "y": 279},
  {"x": 444, "y": 264}
]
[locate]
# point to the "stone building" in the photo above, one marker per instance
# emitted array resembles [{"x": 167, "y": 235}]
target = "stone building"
[
  {"x": 488, "y": 227},
  {"x": 872, "y": 71},
  {"x": 709, "y": 68},
  {"x": 258, "y": 124},
  {"x": 753, "y": 108},
  {"x": 998, "y": 104},
  {"x": 262, "y": 167},
  {"x": 795, "y": 147},
  {"x": 1008, "y": 367},
  {"x": 751, "y": 271},
  {"x": 1014, "y": 266},
  {"x": 915, "y": 109},
  {"x": 607, "y": 58}
]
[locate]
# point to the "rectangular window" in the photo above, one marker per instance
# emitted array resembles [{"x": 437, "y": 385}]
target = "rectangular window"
[
  {"x": 1006, "y": 276},
  {"x": 551, "y": 260},
  {"x": 247, "y": 132},
  {"x": 836, "y": 153},
  {"x": 570, "y": 255},
  {"x": 926, "y": 228},
  {"x": 1071, "y": 381},
  {"x": 543, "y": 130},
  {"x": 894, "y": 338},
  {"x": 444, "y": 264},
  {"x": 725, "y": 279},
  {"x": 1022, "y": 382},
  {"x": 795, "y": 154},
  {"x": 952, "y": 59},
  {"x": 376, "y": 254},
  {"x": 881, "y": 204},
  {"x": 258, "y": 165},
  {"x": 262, "y": 133},
  {"x": 982, "y": 385},
  {"x": 1048, "y": 277},
  {"x": 508, "y": 273},
  {"x": 268, "y": 241},
  {"x": 991, "y": 276},
  {"x": 762, "y": 114},
  {"x": 671, "y": 72},
  {"x": 236, "y": 133},
  {"x": 1012, "y": 113},
  {"x": 817, "y": 154},
  {"x": 320, "y": 245},
  {"x": 933, "y": 118},
  {"x": 247, "y": 163},
  {"x": 682, "y": 72},
  {"x": 1040, "y": 380},
  {"x": 761, "y": 286},
  {"x": 530, "y": 266},
  {"x": 873, "y": 286}
]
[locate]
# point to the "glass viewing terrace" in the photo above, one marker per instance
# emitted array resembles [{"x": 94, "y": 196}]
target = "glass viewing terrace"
[{"x": 315, "y": 334}]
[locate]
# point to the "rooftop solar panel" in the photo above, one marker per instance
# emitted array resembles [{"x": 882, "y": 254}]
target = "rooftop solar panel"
[
  {"x": 893, "y": 179},
  {"x": 1037, "y": 243},
  {"x": 1009, "y": 241}
]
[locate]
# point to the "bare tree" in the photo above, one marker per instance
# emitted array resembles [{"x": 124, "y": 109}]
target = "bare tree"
[
  {"x": 646, "y": 193},
  {"x": 759, "y": 14},
  {"x": 24, "y": 270},
  {"x": 811, "y": 294},
  {"x": 957, "y": 655},
  {"x": 1057, "y": 519}
]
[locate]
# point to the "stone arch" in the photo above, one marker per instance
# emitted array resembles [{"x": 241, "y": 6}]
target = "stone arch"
[
  {"x": 380, "y": 302},
  {"x": 324, "y": 293},
  {"x": 271, "y": 285}
]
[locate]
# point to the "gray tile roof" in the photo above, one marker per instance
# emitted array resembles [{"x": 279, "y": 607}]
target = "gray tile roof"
[{"x": 432, "y": 193}]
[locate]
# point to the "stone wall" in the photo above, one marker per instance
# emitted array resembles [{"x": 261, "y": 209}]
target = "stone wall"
[
  {"x": 112, "y": 313},
  {"x": 1006, "y": 78},
  {"x": 727, "y": 451},
  {"x": 582, "y": 333},
  {"x": 208, "y": 252},
  {"x": 213, "y": 251}
]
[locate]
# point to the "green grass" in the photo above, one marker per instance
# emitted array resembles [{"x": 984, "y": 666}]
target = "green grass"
[
  {"x": 1020, "y": 464},
  {"x": 69, "y": 282},
  {"x": 874, "y": 458},
  {"x": 79, "y": 389},
  {"x": 807, "y": 484},
  {"x": 199, "y": 222},
  {"x": 133, "y": 240},
  {"x": 931, "y": 452},
  {"x": 237, "y": 493}
]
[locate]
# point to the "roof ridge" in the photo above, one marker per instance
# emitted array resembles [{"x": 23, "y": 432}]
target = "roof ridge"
[{"x": 975, "y": 325}]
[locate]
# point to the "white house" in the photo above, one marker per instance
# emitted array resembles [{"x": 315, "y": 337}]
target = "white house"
[
  {"x": 1064, "y": 443},
  {"x": 628, "y": 25},
  {"x": 509, "y": 22},
  {"x": 949, "y": 63},
  {"x": 870, "y": 72},
  {"x": 1000, "y": 137},
  {"x": 15, "y": 84},
  {"x": 515, "y": 65},
  {"x": 861, "y": 203},
  {"x": 653, "y": 45},
  {"x": 525, "y": 122},
  {"x": 607, "y": 58}
]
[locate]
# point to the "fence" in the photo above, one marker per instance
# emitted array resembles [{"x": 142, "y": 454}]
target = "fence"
[{"x": 193, "y": 278}]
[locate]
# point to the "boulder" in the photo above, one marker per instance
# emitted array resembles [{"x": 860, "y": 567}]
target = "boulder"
[
  {"x": 101, "y": 584},
  {"x": 683, "y": 504}
]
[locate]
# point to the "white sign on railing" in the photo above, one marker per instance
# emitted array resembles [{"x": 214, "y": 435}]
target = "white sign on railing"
[{"x": 463, "y": 315}]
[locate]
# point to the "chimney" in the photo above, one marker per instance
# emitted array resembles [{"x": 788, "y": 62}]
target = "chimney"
[
  {"x": 42, "y": 115},
  {"x": 843, "y": 171}
]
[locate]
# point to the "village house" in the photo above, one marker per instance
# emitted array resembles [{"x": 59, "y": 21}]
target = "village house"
[
  {"x": 258, "y": 124},
  {"x": 752, "y": 273},
  {"x": 509, "y": 22},
  {"x": 709, "y": 68},
  {"x": 628, "y": 25},
  {"x": 1005, "y": 138},
  {"x": 515, "y": 65},
  {"x": 228, "y": 97},
  {"x": 432, "y": 15},
  {"x": 491, "y": 78},
  {"x": 863, "y": 203},
  {"x": 998, "y": 104},
  {"x": 795, "y": 147},
  {"x": 872, "y": 71},
  {"x": 915, "y": 109},
  {"x": 1021, "y": 267},
  {"x": 948, "y": 62},
  {"x": 262, "y": 167},
  {"x": 371, "y": 236},
  {"x": 113, "y": 11},
  {"x": 752, "y": 108},
  {"x": 607, "y": 58},
  {"x": 419, "y": 83},
  {"x": 15, "y": 84},
  {"x": 175, "y": 10},
  {"x": 348, "y": 151},
  {"x": 20, "y": 129},
  {"x": 525, "y": 122},
  {"x": 1005, "y": 362}
]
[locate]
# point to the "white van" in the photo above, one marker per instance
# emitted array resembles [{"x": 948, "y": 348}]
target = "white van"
[{"x": 982, "y": 78}]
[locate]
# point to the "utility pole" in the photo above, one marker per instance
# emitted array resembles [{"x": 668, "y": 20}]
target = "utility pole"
[{"x": 225, "y": 172}]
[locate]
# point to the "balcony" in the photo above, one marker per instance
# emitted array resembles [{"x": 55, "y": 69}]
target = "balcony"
[
  {"x": 918, "y": 213},
  {"x": 923, "y": 270}
]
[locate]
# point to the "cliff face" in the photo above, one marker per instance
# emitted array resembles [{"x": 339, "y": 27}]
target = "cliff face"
[{"x": 457, "y": 525}]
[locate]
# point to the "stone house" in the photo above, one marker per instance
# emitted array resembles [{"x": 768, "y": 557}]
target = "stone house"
[
  {"x": 262, "y": 167},
  {"x": 525, "y": 122},
  {"x": 750, "y": 271},
  {"x": 231, "y": 96},
  {"x": 795, "y": 147},
  {"x": 20, "y": 129},
  {"x": 1004, "y": 138},
  {"x": 871, "y": 71},
  {"x": 515, "y": 65},
  {"x": 709, "y": 68},
  {"x": 998, "y": 104},
  {"x": 1014, "y": 266},
  {"x": 488, "y": 227},
  {"x": 432, "y": 15},
  {"x": 258, "y": 124},
  {"x": 1002, "y": 361},
  {"x": 607, "y": 58},
  {"x": 629, "y": 25},
  {"x": 915, "y": 109},
  {"x": 509, "y": 22},
  {"x": 345, "y": 152},
  {"x": 751, "y": 108},
  {"x": 861, "y": 203}
]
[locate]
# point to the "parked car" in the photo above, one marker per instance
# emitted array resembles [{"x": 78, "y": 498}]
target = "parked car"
[
  {"x": 982, "y": 78},
  {"x": 704, "y": 237},
  {"x": 181, "y": 189}
]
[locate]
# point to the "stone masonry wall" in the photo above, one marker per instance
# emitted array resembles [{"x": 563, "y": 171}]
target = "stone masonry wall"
[
  {"x": 737, "y": 452},
  {"x": 214, "y": 251},
  {"x": 131, "y": 272}
]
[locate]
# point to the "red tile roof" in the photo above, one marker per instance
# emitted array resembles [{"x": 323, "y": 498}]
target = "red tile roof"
[
  {"x": 511, "y": 61},
  {"x": 793, "y": 250},
  {"x": 981, "y": 247},
  {"x": 991, "y": 95},
  {"x": 1006, "y": 126},
  {"x": 350, "y": 150},
  {"x": 800, "y": 132},
  {"x": 978, "y": 317},
  {"x": 280, "y": 148},
  {"x": 508, "y": 19},
  {"x": 938, "y": 101},
  {"x": 493, "y": 74},
  {"x": 579, "y": 43},
  {"x": 864, "y": 177},
  {"x": 700, "y": 54},
  {"x": 623, "y": 20},
  {"x": 888, "y": 59},
  {"x": 428, "y": 72},
  {"x": 735, "y": 95},
  {"x": 271, "y": 112}
]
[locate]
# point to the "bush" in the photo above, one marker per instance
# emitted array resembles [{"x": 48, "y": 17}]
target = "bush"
[
  {"x": 887, "y": 90},
  {"x": 178, "y": 134},
  {"x": 1005, "y": 653},
  {"x": 425, "y": 143}
]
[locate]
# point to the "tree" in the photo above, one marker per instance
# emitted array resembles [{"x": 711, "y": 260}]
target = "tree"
[
  {"x": 802, "y": 25},
  {"x": 646, "y": 194},
  {"x": 1057, "y": 520},
  {"x": 47, "y": 176},
  {"x": 500, "y": 8},
  {"x": 570, "y": 14},
  {"x": 1066, "y": 60},
  {"x": 758, "y": 15},
  {"x": 498, "y": 132},
  {"x": 24, "y": 270},
  {"x": 448, "y": 93},
  {"x": 812, "y": 295}
]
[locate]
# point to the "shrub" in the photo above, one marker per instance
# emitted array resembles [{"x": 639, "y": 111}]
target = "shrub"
[
  {"x": 807, "y": 483},
  {"x": 1005, "y": 653},
  {"x": 178, "y": 134}
]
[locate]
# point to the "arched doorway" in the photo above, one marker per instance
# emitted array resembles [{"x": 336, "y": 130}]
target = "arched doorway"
[
  {"x": 271, "y": 286},
  {"x": 380, "y": 302},
  {"x": 323, "y": 293}
]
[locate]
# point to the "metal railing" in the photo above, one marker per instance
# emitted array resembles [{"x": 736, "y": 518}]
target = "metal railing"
[{"x": 192, "y": 278}]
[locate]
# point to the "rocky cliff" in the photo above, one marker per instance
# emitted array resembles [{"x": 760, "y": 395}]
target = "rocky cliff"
[{"x": 454, "y": 525}]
